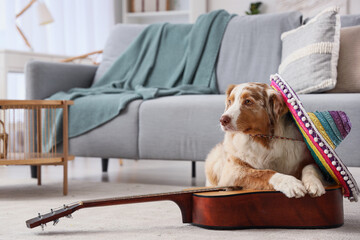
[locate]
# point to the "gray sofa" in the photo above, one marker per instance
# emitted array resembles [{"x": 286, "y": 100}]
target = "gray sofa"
[{"x": 187, "y": 127}]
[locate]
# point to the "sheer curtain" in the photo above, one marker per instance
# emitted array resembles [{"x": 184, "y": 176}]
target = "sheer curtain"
[{"x": 79, "y": 26}]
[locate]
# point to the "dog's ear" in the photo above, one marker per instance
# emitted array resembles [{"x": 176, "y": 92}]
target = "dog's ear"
[
  {"x": 229, "y": 89},
  {"x": 277, "y": 106}
]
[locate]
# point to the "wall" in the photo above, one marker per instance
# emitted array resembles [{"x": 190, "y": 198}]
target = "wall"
[
  {"x": 268, "y": 6},
  {"x": 354, "y": 7},
  {"x": 236, "y": 6}
]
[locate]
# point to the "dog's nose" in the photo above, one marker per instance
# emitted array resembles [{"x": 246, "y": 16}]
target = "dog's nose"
[{"x": 225, "y": 120}]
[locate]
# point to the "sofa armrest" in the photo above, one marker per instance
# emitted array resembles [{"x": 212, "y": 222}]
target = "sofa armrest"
[{"x": 43, "y": 79}]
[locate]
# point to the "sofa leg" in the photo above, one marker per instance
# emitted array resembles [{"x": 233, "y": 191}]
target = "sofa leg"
[
  {"x": 33, "y": 170},
  {"x": 193, "y": 169},
  {"x": 104, "y": 164}
]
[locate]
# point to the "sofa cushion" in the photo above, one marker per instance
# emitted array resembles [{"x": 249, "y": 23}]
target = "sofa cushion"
[
  {"x": 119, "y": 40},
  {"x": 310, "y": 53},
  {"x": 180, "y": 127},
  {"x": 251, "y": 47},
  {"x": 346, "y": 20},
  {"x": 187, "y": 127},
  {"x": 350, "y": 20},
  {"x": 348, "y": 79},
  {"x": 116, "y": 138}
]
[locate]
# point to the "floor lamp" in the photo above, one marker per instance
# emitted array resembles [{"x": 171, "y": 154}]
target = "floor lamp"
[{"x": 44, "y": 17}]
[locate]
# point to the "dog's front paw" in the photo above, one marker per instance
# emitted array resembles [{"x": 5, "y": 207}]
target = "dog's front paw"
[
  {"x": 289, "y": 185},
  {"x": 311, "y": 179},
  {"x": 314, "y": 187}
]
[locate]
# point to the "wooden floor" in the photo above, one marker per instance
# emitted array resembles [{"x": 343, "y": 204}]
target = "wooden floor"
[{"x": 177, "y": 173}]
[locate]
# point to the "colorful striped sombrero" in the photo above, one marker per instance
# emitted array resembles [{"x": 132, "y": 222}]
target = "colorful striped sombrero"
[{"x": 322, "y": 132}]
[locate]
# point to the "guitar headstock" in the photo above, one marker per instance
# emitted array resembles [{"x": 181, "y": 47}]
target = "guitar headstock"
[{"x": 54, "y": 215}]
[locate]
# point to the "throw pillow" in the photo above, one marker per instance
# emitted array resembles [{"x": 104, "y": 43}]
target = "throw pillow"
[
  {"x": 251, "y": 47},
  {"x": 348, "y": 79},
  {"x": 310, "y": 53}
]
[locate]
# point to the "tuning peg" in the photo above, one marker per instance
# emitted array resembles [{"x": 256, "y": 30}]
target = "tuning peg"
[
  {"x": 43, "y": 225},
  {"x": 39, "y": 215},
  {"x": 65, "y": 206},
  {"x": 52, "y": 211},
  {"x": 56, "y": 221},
  {"x": 69, "y": 216}
]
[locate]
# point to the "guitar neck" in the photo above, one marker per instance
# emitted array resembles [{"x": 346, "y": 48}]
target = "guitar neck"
[
  {"x": 172, "y": 196},
  {"x": 182, "y": 198}
]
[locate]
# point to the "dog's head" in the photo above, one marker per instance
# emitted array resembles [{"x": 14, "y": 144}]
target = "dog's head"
[{"x": 252, "y": 108}]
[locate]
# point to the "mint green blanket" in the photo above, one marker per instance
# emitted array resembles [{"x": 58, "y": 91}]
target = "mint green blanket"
[{"x": 165, "y": 59}]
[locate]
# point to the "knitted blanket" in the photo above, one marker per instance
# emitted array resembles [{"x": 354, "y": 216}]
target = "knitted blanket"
[{"x": 165, "y": 59}]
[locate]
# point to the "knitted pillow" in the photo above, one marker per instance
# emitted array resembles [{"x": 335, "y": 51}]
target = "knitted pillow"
[{"x": 310, "y": 53}]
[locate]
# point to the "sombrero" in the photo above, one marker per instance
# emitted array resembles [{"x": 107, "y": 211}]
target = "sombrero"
[{"x": 322, "y": 132}]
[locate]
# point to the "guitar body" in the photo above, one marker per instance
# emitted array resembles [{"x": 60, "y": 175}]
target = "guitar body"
[{"x": 267, "y": 209}]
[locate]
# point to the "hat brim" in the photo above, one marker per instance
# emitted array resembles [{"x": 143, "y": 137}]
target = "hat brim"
[{"x": 325, "y": 156}]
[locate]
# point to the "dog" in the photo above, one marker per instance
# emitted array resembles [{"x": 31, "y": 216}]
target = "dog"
[{"x": 252, "y": 154}]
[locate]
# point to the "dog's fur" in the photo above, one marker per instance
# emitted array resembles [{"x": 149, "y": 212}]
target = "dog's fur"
[{"x": 261, "y": 163}]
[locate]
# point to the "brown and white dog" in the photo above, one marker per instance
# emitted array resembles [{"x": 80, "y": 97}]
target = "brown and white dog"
[{"x": 258, "y": 162}]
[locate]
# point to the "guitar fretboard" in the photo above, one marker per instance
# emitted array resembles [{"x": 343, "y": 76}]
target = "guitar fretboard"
[{"x": 111, "y": 201}]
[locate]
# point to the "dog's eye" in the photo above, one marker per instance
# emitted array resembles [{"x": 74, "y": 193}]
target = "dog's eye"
[
  {"x": 247, "y": 102},
  {"x": 229, "y": 102}
]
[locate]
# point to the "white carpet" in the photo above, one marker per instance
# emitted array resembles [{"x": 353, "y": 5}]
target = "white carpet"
[{"x": 22, "y": 199}]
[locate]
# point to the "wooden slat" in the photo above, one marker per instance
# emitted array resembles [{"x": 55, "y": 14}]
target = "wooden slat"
[
  {"x": 29, "y": 161},
  {"x": 17, "y": 159},
  {"x": 40, "y": 103},
  {"x": 65, "y": 148},
  {"x": 35, "y": 155}
]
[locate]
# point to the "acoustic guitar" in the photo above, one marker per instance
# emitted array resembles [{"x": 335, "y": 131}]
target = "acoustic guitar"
[{"x": 227, "y": 208}]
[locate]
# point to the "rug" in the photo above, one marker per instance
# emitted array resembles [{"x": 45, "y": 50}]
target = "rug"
[{"x": 23, "y": 199}]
